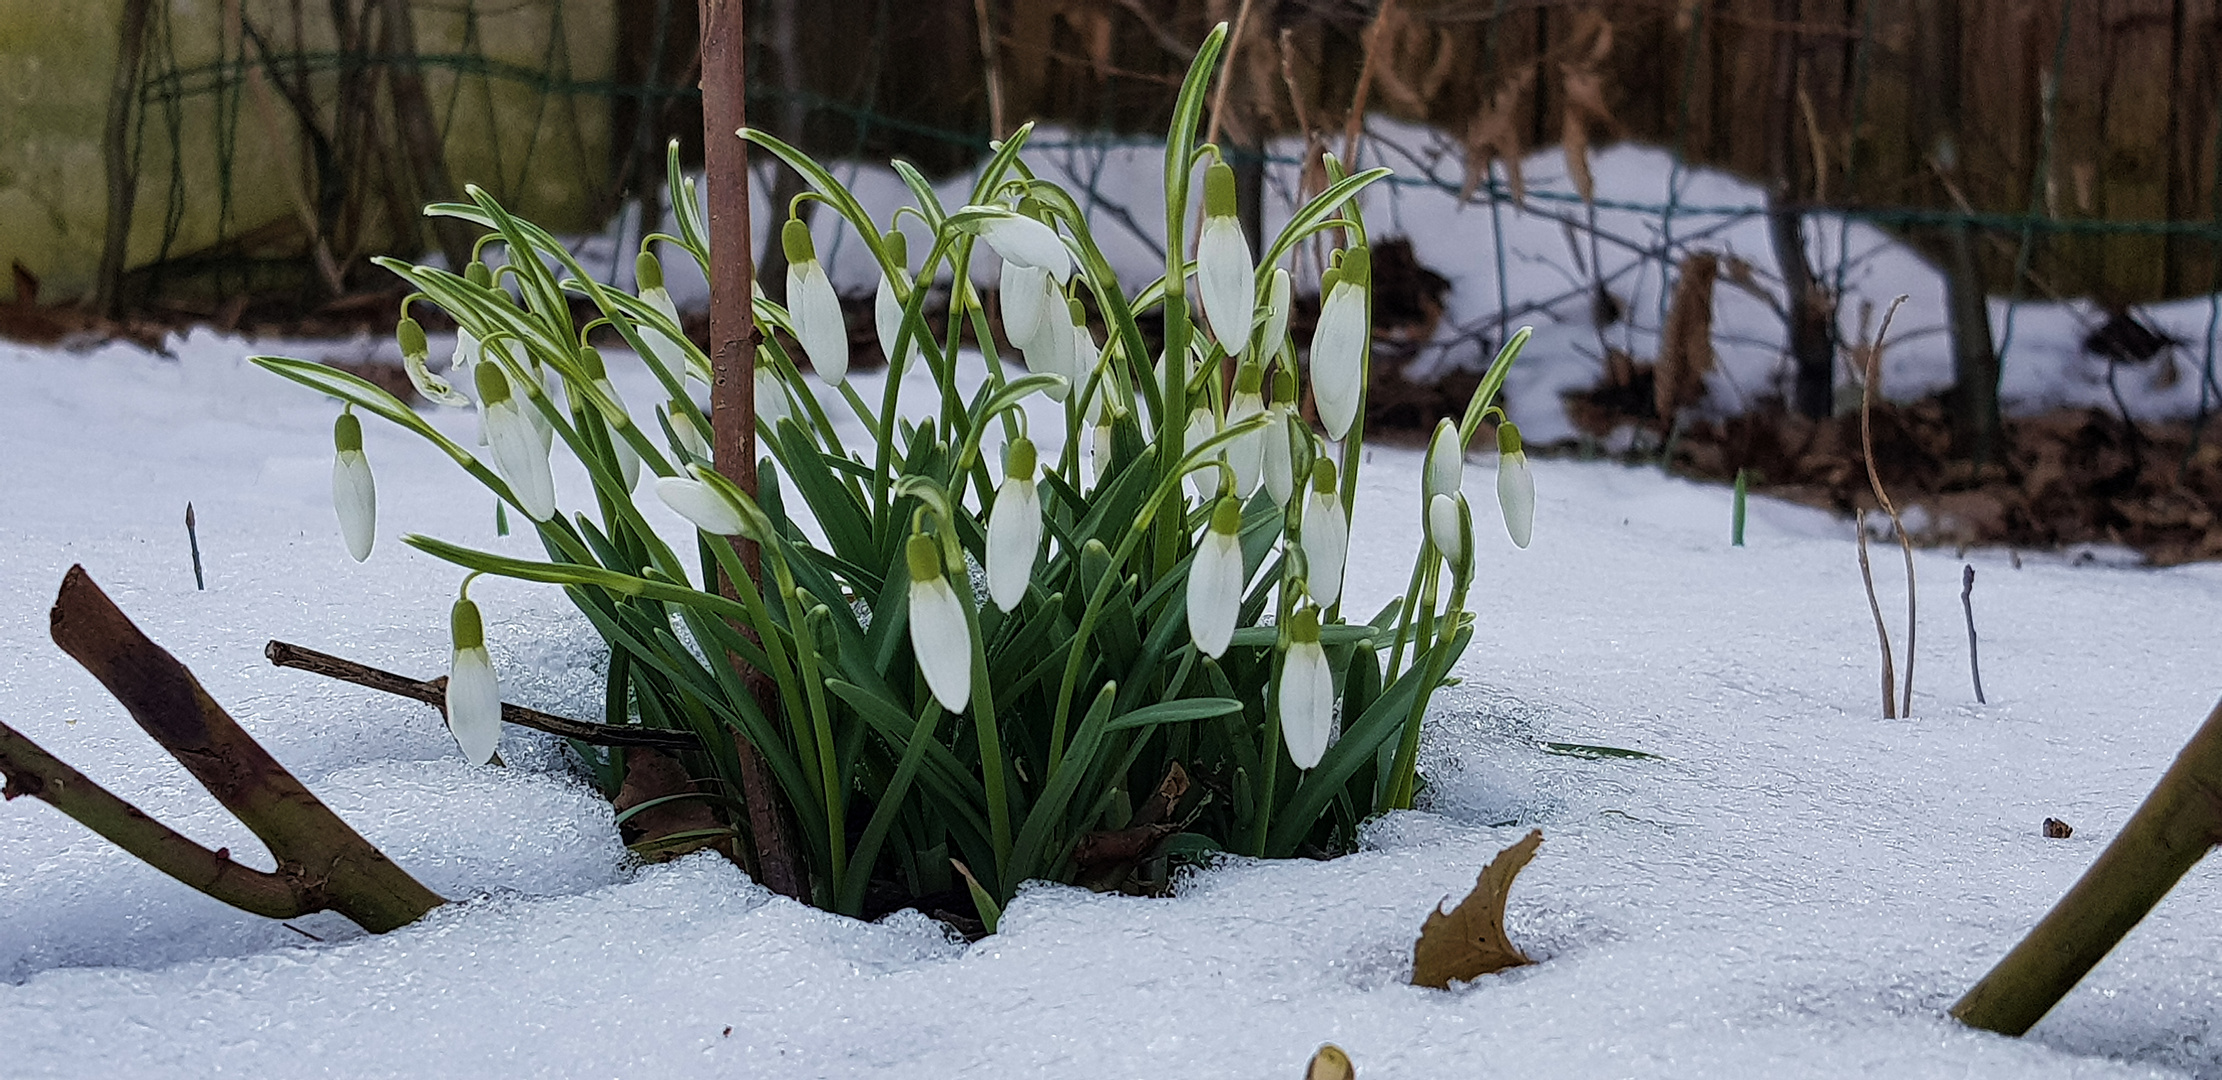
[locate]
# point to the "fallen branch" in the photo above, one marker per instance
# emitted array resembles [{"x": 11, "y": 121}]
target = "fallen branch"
[
  {"x": 434, "y": 693},
  {"x": 2178, "y": 823},
  {"x": 1967, "y": 605},
  {"x": 322, "y": 862}
]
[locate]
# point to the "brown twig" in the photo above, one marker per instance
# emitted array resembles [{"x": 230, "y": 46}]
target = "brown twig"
[
  {"x": 992, "y": 69},
  {"x": 1356, "y": 122},
  {"x": 1870, "y": 375},
  {"x": 433, "y": 692},
  {"x": 1967, "y": 605},
  {"x": 1867, "y": 576}
]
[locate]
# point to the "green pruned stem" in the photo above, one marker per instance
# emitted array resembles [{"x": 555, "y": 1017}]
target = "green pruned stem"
[{"x": 2173, "y": 830}]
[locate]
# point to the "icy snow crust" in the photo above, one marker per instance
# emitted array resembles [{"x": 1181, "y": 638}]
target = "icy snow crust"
[{"x": 1799, "y": 889}]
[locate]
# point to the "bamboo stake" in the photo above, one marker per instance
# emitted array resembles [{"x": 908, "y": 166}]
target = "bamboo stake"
[{"x": 2170, "y": 833}]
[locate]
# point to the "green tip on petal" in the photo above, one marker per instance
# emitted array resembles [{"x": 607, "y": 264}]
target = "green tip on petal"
[
  {"x": 1079, "y": 312},
  {"x": 795, "y": 237},
  {"x": 1327, "y": 281},
  {"x": 1323, "y": 476},
  {"x": 648, "y": 272},
  {"x": 467, "y": 629},
  {"x": 1020, "y": 465},
  {"x": 924, "y": 557},
  {"x": 1249, "y": 379},
  {"x": 1508, "y": 438},
  {"x": 1284, "y": 384},
  {"x": 347, "y": 433},
  {"x": 897, "y": 248},
  {"x": 1303, "y": 625},
  {"x": 477, "y": 274},
  {"x": 590, "y": 361},
  {"x": 1357, "y": 266},
  {"x": 1226, "y": 517},
  {"x": 411, "y": 337},
  {"x": 1219, "y": 190},
  {"x": 493, "y": 386}
]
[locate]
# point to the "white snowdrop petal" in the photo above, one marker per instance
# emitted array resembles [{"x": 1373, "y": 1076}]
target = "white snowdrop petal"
[
  {"x": 700, "y": 504},
  {"x": 771, "y": 399},
  {"x": 1024, "y": 299},
  {"x": 1225, "y": 282},
  {"x": 520, "y": 458},
  {"x": 1339, "y": 352},
  {"x": 1446, "y": 461},
  {"x": 1277, "y": 298},
  {"x": 941, "y": 642},
  {"x": 819, "y": 323},
  {"x": 1445, "y": 529},
  {"x": 355, "y": 498},
  {"x": 1307, "y": 703},
  {"x": 433, "y": 387},
  {"x": 887, "y": 318},
  {"x": 1246, "y": 454},
  {"x": 474, "y": 704},
  {"x": 1204, "y": 481},
  {"x": 1021, "y": 239},
  {"x": 1516, "y": 496},
  {"x": 1326, "y": 546},
  {"x": 1276, "y": 461},
  {"x": 1215, "y": 581},
  {"x": 1014, "y": 541}
]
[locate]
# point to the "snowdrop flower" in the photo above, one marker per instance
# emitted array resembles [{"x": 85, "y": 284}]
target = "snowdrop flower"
[
  {"x": 814, "y": 307},
  {"x": 1515, "y": 486},
  {"x": 628, "y": 459},
  {"x": 664, "y": 350},
  {"x": 354, "y": 495},
  {"x": 1025, "y": 293},
  {"x": 1307, "y": 691},
  {"x": 1085, "y": 351},
  {"x": 1277, "y": 460},
  {"x": 519, "y": 455},
  {"x": 414, "y": 352},
  {"x": 699, "y": 503},
  {"x": 887, "y": 306},
  {"x": 473, "y": 691},
  {"x": 1340, "y": 347},
  {"x": 1215, "y": 580},
  {"x": 466, "y": 353},
  {"x": 771, "y": 398},
  {"x": 1446, "y": 461},
  {"x": 690, "y": 437},
  {"x": 1449, "y": 523},
  {"x": 1018, "y": 238},
  {"x": 1100, "y": 441},
  {"x": 1203, "y": 480},
  {"x": 1014, "y": 528},
  {"x": 1051, "y": 350},
  {"x": 1326, "y": 535},
  {"x": 1246, "y": 454},
  {"x": 939, "y": 637},
  {"x": 1225, "y": 272},
  {"x": 1278, "y": 295}
]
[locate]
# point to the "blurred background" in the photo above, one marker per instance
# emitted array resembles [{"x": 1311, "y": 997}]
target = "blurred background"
[{"x": 1705, "y": 206}]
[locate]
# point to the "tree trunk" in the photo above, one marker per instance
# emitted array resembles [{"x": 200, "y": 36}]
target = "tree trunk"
[
  {"x": 420, "y": 134},
  {"x": 1807, "y": 311},
  {"x": 733, "y": 341},
  {"x": 115, "y": 150}
]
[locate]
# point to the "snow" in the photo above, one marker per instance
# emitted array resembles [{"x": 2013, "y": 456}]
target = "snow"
[{"x": 1795, "y": 889}]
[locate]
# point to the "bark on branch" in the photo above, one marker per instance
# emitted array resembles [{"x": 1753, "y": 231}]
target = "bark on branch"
[{"x": 323, "y": 863}]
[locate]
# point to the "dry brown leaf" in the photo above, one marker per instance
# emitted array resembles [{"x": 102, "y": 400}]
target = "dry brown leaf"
[
  {"x": 1330, "y": 1063},
  {"x": 1584, "y": 89},
  {"x": 1494, "y": 135},
  {"x": 1469, "y": 941},
  {"x": 1686, "y": 353}
]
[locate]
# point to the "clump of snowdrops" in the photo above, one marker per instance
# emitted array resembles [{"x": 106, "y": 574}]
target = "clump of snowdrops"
[{"x": 1164, "y": 588}]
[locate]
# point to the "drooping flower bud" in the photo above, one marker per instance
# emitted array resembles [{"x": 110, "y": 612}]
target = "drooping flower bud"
[
  {"x": 1215, "y": 580},
  {"x": 887, "y": 305},
  {"x": 1204, "y": 479},
  {"x": 665, "y": 349},
  {"x": 415, "y": 351},
  {"x": 1225, "y": 272},
  {"x": 519, "y": 455},
  {"x": 1449, "y": 523},
  {"x": 1307, "y": 691},
  {"x": 1446, "y": 462},
  {"x": 1279, "y": 294},
  {"x": 1277, "y": 460},
  {"x": 1341, "y": 347},
  {"x": 692, "y": 439},
  {"x": 354, "y": 494},
  {"x": 814, "y": 307},
  {"x": 699, "y": 503},
  {"x": 1018, "y": 238},
  {"x": 473, "y": 690},
  {"x": 771, "y": 397},
  {"x": 939, "y": 637},
  {"x": 612, "y": 408},
  {"x": 1014, "y": 527},
  {"x": 1246, "y": 453},
  {"x": 1515, "y": 485},
  {"x": 1326, "y": 535}
]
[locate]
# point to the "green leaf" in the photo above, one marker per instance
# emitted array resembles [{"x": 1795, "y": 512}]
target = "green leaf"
[
  {"x": 1585, "y": 750},
  {"x": 1175, "y": 712}
]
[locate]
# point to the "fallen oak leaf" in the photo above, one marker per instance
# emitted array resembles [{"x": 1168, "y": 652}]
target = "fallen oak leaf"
[
  {"x": 1469, "y": 941},
  {"x": 1330, "y": 1063}
]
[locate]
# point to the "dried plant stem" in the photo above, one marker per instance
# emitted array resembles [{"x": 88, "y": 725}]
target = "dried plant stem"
[
  {"x": 992, "y": 68},
  {"x": 1356, "y": 123},
  {"x": 1967, "y": 605},
  {"x": 1870, "y": 376},
  {"x": 1867, "y": 575}
]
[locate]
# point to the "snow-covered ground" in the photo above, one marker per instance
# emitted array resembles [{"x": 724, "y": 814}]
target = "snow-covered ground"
[{"x": 1796, "y": 889}]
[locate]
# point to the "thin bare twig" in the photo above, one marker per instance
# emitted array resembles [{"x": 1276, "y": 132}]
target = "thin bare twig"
[
  {"x": 1869, "y": 377},
  {"x": 1967, "y": 605},
  {"x": 1867, "y": 576}
]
